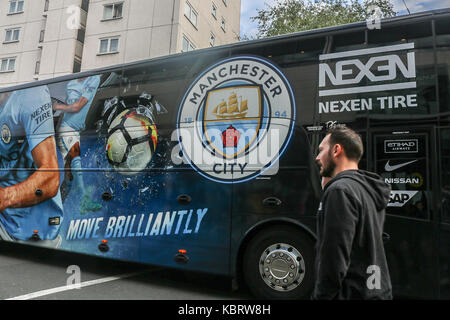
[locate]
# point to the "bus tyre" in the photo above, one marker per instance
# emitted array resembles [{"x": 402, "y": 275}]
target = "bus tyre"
[{"x": 279, "y": 264}]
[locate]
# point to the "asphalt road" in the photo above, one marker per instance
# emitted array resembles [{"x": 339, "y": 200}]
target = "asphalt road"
[{"x": 31, "y": 273}]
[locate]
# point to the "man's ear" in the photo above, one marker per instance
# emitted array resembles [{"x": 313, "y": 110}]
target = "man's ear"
[{"x": 337, "y": 150}]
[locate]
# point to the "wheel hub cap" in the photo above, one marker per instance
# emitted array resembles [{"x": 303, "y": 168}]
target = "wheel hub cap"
[{"x": 282, "y": 267}]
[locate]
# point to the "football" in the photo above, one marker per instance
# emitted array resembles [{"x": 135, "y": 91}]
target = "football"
[{"x": 131, "y": 142}]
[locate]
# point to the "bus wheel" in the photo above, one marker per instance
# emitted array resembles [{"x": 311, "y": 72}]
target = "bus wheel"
[{"x": 278, "y": 264}]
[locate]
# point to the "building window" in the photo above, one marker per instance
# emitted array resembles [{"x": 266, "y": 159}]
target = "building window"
[
  {"x": 110, "y": 45},
  {"x": 81, "y": 34},
  {"x": 76, "y": 66},
  {"x": 15, "y": 6},
  {"x": 37, "y": 67},
  {"x": 214, "y": 11},
  {"x": 47, "y": 3},
  {"x": 187, "y": 45},
  {"x": 85, "y": 5},
  {"x": 12, "y": 35},
  {"x": 41, "y": 36},
  {"x": 7, "y": 64},
  {"x": 190, "y": 13},
  {"x": 223, "y": 25},
  {"x": 112, "y": 11},
  {"x": 212, "y": 39}
]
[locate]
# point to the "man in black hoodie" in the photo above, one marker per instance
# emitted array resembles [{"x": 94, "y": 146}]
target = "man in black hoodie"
[{"x": 350, "y": 258}]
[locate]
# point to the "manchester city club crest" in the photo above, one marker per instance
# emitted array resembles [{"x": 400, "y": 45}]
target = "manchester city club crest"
[
  {"x": 236, "y": 119},
  {"x": 227, "y": 112},
  {"x": 6, "y": 134}
]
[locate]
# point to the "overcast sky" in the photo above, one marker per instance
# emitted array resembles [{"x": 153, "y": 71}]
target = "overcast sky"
[{"x": 249, "y": 7}]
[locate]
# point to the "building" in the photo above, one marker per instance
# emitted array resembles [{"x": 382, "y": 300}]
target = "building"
[{"x": 42, "y": 39}]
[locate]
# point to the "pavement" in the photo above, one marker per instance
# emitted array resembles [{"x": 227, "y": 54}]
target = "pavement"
[{"x": 32, "y": 273}]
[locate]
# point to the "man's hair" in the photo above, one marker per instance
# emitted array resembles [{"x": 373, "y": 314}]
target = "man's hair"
[{"x": 349, "y": 140}]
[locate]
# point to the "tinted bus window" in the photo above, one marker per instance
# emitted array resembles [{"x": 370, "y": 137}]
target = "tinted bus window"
[
  {"x": 348, "y": 41},
  {"x": 445, "y": 160},
  {"x": 298, "y": 61},
  {"x": 443, "y": 64},
  {"x": 419, "y": 99},
  {"x": 403, "y": 162},
  {"x": 165, "y": 85},
  {"x": 392, "y": 77}
]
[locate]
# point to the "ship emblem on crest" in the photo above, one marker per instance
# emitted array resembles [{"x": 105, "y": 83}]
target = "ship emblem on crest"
[
  {"x": 232, "y": 109},
  {"x": 234, "y": 112}
]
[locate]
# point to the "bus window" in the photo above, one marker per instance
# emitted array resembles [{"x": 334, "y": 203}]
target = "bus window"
[
  {"x": 348, "y": 41},
  {"x": 445, "y": 176},
  {"x": 424, "y": 93},
  {"x": 443, "y": 63},
  {"x": 298, "y": 61},
  {"x": 420, "y": 33},
  {"x": 402, "y": 160},
  {"x": 363, "y": 162},
  {"x": 444, "y": 235}
]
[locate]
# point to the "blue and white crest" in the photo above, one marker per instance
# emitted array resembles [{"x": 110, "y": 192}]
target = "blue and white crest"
[
  {"x": 6, "y": 134},
  {"x": 236, "y": 119},
  {"x": 232, "y": 119}
]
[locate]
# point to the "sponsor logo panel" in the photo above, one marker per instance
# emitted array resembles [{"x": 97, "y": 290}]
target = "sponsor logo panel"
[
  {"x": 384, "y": 70},
  {"x": 401, "y": 146},
  {"x": 400, "y": 197}
]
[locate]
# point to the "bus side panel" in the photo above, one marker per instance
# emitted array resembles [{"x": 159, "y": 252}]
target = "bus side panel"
[
  {"x": 293, "y": 182},
  {"x": 111, "y": 154}
]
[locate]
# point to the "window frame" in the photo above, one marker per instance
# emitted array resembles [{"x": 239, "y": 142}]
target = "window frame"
[
  {"x": 113, "y": 6},
  {"x": 192, "y": 12},
  {"x": 214, "y": 10},
  {"x": 13, "y": 32},
  {"x": 8, "y": 64},
  {"x": 108, "y": 47},
  {"x": 223, "y": 25},
  {"x": 190, "y": 45},
  {"x": 212, "y": 39},
  {"x": 16, "y": 6}
]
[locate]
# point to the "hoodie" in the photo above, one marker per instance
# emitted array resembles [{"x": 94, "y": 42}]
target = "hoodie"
[{"x": 350, "y": 258}]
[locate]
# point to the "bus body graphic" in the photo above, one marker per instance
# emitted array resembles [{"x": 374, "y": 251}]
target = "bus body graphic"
[{"x": 204, "y": 161}]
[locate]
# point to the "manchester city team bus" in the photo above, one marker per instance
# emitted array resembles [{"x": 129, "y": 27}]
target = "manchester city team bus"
[{"x": 205, "y": 160}]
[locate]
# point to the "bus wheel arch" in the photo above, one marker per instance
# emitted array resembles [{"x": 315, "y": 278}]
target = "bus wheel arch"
[{"x": 291, "y": 246}]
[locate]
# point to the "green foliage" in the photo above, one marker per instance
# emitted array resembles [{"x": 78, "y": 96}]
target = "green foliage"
[{"x": 287, "y": 16}]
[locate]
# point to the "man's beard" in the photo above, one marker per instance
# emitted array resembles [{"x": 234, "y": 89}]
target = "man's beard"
[{"x": 328, "y": 170}]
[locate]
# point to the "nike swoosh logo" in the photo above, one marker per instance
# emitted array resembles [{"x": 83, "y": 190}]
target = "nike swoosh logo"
[{"x": 388, "y": 167}]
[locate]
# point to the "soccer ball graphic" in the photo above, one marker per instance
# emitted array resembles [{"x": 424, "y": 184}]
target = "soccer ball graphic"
[{"x": 131, "y": 142}]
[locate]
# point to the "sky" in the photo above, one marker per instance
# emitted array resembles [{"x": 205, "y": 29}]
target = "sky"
[{"x": 249, "y": 7}]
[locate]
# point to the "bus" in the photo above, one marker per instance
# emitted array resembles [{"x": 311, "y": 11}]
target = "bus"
[{"x": 204, "y": 161}]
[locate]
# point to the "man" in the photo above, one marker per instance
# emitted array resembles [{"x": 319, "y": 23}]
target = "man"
[
  {"x": 350, "y": 257},
  {"x": 30, "y": 203},
  {"x": 80, "y": 94}
]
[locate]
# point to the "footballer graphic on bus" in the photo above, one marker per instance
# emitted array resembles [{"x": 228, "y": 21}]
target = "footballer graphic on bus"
[{"x": 30, "y": 201}]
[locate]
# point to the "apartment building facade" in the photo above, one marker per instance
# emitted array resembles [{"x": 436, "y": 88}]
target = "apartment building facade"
[{"x": 42, "y": 39}]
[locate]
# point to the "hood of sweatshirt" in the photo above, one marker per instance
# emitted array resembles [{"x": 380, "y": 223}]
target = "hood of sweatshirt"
[{"x": 372, "y": 182}]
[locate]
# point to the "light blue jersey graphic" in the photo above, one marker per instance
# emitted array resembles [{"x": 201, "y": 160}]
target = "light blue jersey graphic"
[
  {"x": 76, "y": 89},
  {"x": 26, "y": 120}
]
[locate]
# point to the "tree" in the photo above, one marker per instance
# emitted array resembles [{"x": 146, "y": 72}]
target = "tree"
[{"x": 287, "y": 16}]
